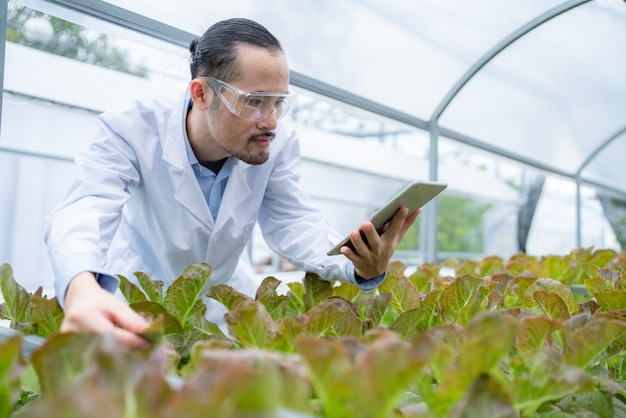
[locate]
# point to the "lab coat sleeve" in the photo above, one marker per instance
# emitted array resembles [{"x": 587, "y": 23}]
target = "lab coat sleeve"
[
  {"x": 79, "y": 231},
  {"x": 296, "y": 229}
]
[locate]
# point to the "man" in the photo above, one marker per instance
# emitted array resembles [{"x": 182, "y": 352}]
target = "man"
[{"x": 166, "y": 185}]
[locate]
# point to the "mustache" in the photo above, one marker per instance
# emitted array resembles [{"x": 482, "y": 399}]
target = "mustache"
[{"x": 263, "y": 135}]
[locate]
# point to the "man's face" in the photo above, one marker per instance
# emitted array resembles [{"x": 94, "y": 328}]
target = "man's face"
[{"x": 247, "y": 140}]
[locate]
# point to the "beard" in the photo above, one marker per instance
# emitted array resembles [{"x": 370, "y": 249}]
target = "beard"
[{"x": 255, "y": 157}]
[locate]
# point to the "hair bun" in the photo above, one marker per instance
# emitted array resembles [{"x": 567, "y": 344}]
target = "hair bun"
[{"x": 193, "y": 46}]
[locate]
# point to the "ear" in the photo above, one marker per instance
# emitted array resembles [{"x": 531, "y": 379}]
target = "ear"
[{"x": 200, "y": 93}]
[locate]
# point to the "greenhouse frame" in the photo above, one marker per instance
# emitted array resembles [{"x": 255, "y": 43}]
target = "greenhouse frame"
[{"x": 518, "y": 106}]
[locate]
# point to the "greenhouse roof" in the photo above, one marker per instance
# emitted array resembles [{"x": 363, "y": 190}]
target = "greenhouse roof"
[{"x": 537, "y": 81}]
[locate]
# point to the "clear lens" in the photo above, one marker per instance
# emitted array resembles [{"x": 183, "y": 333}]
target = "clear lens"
[{"x": 251, "y": 106}]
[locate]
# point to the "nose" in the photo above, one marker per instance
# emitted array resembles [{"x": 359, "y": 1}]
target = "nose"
[{"x": 270, "y": 122}]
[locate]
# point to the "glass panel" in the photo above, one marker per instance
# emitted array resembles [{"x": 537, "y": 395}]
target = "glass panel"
[
  {"x": 63, "y": 106},
  {"x": 478, "y": 213},
  {"x": 109, "y": 66},
  {"x": 554, "y": 227},
  {"x": 462, "y": 227},
  {"x": 596, "y": 230},
  {"x": 30, "y": 188},
  {"x": 60, "y": 131}
]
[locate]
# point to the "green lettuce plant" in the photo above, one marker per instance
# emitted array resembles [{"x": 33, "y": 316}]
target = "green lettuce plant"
[{"x": 523, "y": 337}]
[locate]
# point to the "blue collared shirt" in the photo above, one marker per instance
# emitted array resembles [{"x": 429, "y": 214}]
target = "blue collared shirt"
[{"x": 212, "y": 185}]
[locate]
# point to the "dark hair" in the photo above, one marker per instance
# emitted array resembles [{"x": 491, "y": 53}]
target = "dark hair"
[{"x": 214, "y": 54}]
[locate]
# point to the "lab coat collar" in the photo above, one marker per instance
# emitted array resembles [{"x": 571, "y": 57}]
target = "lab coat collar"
[{"x": 188, "y": 192}]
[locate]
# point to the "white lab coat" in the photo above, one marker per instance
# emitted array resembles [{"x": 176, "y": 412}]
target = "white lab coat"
[{"x": 137, "y": 206}]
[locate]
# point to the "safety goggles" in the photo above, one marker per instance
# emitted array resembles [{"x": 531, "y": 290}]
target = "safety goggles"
[{"x": 251, "y": 106}]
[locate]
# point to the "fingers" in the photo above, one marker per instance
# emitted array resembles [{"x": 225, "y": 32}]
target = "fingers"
[
  {"x": 371, "y": 255},
  {"x": 394, "y": 230},
  {"x": 414, "y": 215},
  {"x": 101, "y": 323},
  {"x": 397, "y": 221},
  {"x": 130, "y": 340},
  {"x": 122, "y": 324},
  {"x": 125, "y": 317},
  {"x": 92, "y": 309},
  {"x": 371, "y": 241},
  {"x": 406, "y": 224},
  {"x": 398, "y": 225}
]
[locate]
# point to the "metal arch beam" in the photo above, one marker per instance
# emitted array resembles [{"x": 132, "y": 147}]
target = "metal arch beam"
[
  {"x": 344, "y": 96},
  {"x": 599, "y": 149},
  {"x": 127, "y": 19},
  {"x": 493, "y": 52}
]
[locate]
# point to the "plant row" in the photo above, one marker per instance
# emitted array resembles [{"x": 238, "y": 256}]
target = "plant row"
[{"x": 495, "y": 338}]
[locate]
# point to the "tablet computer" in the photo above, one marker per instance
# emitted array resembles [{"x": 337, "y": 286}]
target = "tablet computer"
[{"x": 414, "y": 196}]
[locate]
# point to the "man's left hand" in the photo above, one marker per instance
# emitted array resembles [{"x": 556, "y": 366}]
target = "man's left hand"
[{"x": 371, "y": 258}]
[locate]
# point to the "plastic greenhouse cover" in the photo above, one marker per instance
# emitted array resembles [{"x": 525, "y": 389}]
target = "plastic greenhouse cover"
[
  {"x": 379, "y": 50},
  {"x": 553, "y": 98}
]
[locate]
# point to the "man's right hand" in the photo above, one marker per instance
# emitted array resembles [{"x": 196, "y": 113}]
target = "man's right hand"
[{"x": 90, "y": 308}]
